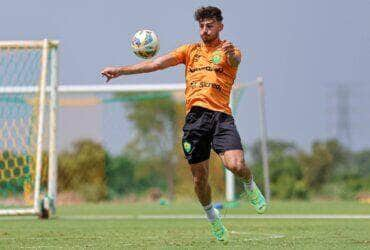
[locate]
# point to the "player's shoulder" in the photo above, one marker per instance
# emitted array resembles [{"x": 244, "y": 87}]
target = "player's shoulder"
[
  {"x": 192, "y": 46},
  {"x": 189, "y": 48}
]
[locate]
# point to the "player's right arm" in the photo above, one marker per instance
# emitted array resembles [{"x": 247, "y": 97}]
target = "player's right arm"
[{"x": 159, "y": 63}]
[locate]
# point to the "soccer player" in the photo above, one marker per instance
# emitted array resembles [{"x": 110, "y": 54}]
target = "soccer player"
[{"x": 211, "y": 67}]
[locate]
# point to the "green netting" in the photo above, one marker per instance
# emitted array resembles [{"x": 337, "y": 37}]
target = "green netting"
[
  {"x": 18, "y": 115},
  {"x": 237, "y": 95}
]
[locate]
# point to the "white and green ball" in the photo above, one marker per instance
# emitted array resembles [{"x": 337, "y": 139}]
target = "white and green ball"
[{"x": 145, "y": 44}]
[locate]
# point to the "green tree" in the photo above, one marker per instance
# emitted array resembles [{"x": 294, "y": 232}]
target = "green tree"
[
  {"x": 320, "y": 164},
  {"x": 154, "y": 144},
  {"x": 82, "y": 170},
  {"x": 119, "y": 173},
  {"x": 362, "y": 161},
  {"x": 286, "y": 174}
]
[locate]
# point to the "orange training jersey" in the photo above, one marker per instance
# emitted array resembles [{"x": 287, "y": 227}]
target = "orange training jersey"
[{"x": 209, "y": 76}]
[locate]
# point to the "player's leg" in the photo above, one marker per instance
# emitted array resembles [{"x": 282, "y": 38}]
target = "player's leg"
[
  {"x": 200, "y": 172},
  {"x": 196, "y": 144},
  {"x": 227, "y": 144},
  {"x": 234, "y": 161}
]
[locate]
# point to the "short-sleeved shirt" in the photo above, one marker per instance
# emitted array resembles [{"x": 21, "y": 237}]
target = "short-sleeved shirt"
[{"x": 209, "y": 76}]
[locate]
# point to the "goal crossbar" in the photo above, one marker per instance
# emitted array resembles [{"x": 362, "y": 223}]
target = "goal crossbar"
[{"x": 27, "y": 44}]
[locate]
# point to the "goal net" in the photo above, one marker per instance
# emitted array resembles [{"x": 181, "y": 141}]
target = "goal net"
[{"x": 28, "y": 73}]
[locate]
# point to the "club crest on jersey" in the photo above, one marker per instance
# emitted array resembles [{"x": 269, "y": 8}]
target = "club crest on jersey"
[{"x": 216, "y": 57}]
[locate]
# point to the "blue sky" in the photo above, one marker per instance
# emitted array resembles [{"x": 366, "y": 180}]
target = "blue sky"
[{"x": 301, "y": 48}]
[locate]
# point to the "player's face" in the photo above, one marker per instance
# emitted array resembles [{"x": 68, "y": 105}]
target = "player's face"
[{"x": 209, "y": 29}]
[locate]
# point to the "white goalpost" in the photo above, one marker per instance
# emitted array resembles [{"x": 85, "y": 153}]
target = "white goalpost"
[{"x": 27, "y": 70}]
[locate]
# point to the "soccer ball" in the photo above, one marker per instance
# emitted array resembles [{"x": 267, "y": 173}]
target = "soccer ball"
[{"x": 145, "y": 44}]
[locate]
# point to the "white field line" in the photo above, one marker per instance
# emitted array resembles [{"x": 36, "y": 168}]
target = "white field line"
[
  {"x": 234, "y": 216},
  {"x": 194, "y": 216},
  {"x": 248, "y": 236}
]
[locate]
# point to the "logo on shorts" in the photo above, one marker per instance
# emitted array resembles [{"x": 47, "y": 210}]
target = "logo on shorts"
[{"x": 187, "y": 146}]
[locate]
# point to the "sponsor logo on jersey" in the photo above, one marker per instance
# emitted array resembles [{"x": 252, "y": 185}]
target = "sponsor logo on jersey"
[
  {"x": 206, "y": 85},
  {"x": 207, "y": 68}
]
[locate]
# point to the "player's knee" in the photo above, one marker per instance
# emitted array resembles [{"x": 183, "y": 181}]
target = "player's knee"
[{"x": 236, "y": 165}]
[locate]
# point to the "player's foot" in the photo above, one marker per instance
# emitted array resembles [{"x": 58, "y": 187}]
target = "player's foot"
[
  {"x": 218, "y": 229},
  {"x": 256, "y": 199}
]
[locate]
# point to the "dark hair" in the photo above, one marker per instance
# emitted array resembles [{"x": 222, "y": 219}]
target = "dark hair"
[{"x": 208, "y": 12}]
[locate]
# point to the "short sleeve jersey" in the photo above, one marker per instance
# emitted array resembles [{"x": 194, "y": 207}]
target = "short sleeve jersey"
[{"x": 209, "y": 76}]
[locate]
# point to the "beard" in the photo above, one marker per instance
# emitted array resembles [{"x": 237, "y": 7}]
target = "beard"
[{"x": 208, "y": 39}]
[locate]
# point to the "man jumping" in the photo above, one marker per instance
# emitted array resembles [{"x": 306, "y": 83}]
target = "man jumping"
[{"x": 211, "y": 68}]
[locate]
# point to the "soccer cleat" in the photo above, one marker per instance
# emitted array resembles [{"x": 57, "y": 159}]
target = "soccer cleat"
[
  {"x": 218, "y": 229},
  {"x": 256, "y": 199}
]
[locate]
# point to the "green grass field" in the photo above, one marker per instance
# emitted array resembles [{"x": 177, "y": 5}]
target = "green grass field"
[{"x": 122, "y": 226}]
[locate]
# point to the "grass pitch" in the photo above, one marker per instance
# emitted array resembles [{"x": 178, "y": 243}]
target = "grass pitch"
[{"x": 143, "y": 225}]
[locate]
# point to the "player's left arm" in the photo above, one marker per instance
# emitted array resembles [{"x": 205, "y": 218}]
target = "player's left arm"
[
  {"x": 159, "y": 63},
  {"x": 233, "y": 56}
]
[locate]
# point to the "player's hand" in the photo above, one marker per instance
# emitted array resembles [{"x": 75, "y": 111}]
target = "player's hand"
[
  {"x": 111, "y": 72},
  {"x": 228, "y": 47},
  {"x": 229, "y": 50}
]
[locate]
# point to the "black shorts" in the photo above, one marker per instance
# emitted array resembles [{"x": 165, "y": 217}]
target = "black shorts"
[{"x": 204, "y": 129}]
